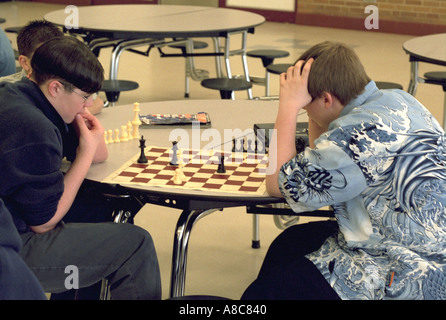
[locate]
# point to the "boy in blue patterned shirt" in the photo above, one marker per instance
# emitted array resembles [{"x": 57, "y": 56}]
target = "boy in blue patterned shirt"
[{"x": 377, "y": 157}]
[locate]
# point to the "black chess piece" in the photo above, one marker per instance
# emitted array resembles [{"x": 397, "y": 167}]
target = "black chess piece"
[
  {"x": 142, "y": 145},
  {"x": 174, "y": 160},
  {"x": 221, "y": 165}
]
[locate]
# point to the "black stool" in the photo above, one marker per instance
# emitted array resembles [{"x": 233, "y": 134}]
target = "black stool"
[
  {"x": 439, "y": 78},
  {"x": 267, "y": 57},
  {"x": 436, "y": 77},
  {"x": 13, "y": 29},
  {"x": 388, "y": 85},
  {"x": 196, "y": 45},
  {"x": 278, "y": 68},
  {"x": 191, "y": 72},
  {"x": 226, "y": 86},
  {"x": 113, "y": 88}
]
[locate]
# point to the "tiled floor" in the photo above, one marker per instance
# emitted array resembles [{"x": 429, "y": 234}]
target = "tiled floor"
[{"x": 221, "y": 260}]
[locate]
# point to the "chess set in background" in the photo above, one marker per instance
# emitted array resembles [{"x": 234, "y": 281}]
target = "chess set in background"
[{"x": 130, "y": 130}]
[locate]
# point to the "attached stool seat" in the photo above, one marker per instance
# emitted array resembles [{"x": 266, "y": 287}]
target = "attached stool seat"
[
  {"x": 191, "y": 71},
  {"x": 13, "y": 29},
  {"x": 267, "y": 57},
  {"x": 113, "y": 88},
  {"x": 226, "y": 86},
  {"x": 196, "y": 45},
  {"x": 278, "y": 68},
  {"x": 438, "y": 77},
  {"x": 388, "y": 85}
]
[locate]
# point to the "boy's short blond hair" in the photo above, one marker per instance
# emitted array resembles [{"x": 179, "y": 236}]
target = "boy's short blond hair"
[{"x": 336, "y": 69}]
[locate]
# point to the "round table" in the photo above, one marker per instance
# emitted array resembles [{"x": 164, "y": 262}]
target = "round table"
[
  {"x": 137, "y": 25},
  {"x": 195, "y": 204},
  {"x": 428, "y": 49}
]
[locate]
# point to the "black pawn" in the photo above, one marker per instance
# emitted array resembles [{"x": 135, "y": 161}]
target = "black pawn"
[
  {"x": 142, "y": 146},
  {"x": 221, "y": 165}
]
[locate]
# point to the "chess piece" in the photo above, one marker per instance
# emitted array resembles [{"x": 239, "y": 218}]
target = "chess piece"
[
  {"x": 221, "y": 165},
  {"x": 124, "y": 135},
  {"x": 250, "y": 148},
  {"x": 136, "y": 122},
  {"x": 129, "y": 131},
  {"x": 105, "y": 136},
  {"x": 116, "y": 140},
  {"x": 177, "y": 177},
  {"x": 142, "y": 158},
  {"x": 181, "y": 172},
  {"x": 174, "y": 160},
  {"x": 110, "y": 136}
]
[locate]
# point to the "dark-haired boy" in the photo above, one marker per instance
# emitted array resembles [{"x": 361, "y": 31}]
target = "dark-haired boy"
[{"x": 33, "y": 117}]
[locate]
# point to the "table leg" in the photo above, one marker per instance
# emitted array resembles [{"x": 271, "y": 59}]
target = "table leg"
[
  {"x": 180, "y": 245},
  {"x": 245, "y": 61},
  {"x": 255, "y": 232},
  {"x": 217, "y": 49},
  {"x": 120, "y": 47},
  {"x": 413, "y": 83}
]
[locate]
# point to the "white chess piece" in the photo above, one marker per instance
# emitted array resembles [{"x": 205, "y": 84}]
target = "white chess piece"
[
  {"x": 116, "y": 140},
  {"x": 124, "y": 134},
  {"x": 136, "y": 122},
  {"x": 129, "y": 130},
  {"x": 181, "y": 172},
  {"x": 177, "y": 177},
  {"x": 110, "y": 136}
]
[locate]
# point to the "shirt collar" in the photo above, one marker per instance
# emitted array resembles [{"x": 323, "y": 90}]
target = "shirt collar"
[{"x": 369, "y": 89}]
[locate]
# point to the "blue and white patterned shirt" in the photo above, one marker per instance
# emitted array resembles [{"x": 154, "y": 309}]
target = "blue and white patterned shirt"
[{"x": 382, "y": 167}]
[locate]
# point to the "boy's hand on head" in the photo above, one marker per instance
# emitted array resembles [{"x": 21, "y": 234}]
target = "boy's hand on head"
[{"x": 294, "y": 86}]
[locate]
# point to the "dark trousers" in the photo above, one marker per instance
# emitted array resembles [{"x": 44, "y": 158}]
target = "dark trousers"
[
  {"x": 17, "y": 282},
  {"x": 122, "y": 253},
  {"x": 286, "y": 274}
]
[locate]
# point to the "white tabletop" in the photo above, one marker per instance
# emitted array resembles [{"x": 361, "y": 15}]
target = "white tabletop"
[
  {"x": 224, "y": 114},
  {"x": 430, "y": 48},
  {"x": 160, "y": 20}
]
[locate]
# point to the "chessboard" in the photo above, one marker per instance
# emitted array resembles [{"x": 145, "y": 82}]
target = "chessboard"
[{"x": 244, "y": 172}]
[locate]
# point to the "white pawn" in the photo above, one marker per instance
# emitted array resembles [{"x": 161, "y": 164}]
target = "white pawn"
[
  {"x": 124, "y": 135},
  {"x": 116, "y": 140},
  {"x": 129, "y": 130},
  {"x": 110, "y": 136},
  {"x": 181, "y": 172},
  {"x": 177, "y": 177},
  {"x": 105, "y": 136}
]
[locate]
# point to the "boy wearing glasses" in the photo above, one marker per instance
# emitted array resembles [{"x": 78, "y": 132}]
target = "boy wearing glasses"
[{"x": 33, "y": 120}]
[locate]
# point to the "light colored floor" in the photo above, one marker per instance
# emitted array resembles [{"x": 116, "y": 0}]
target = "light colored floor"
[{"x": 221, "y": 260}]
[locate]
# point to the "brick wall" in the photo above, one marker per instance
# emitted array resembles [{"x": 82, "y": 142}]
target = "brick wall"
[{"x": 431, "y": 12}]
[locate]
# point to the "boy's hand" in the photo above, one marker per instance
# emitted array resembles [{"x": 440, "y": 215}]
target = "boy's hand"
[
  {"x": 294, "y": 87},
  {"x": 90, "y": 131}
]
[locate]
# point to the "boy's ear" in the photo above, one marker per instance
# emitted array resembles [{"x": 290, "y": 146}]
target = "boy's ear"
[
  {"x": 328, "y": 99},
  {"x": 54, "y": 87},
  {"x": 25, "y": 63}
]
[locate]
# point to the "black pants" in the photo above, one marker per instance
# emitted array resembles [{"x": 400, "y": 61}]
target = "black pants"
[{"x": 286, "y": 274}]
